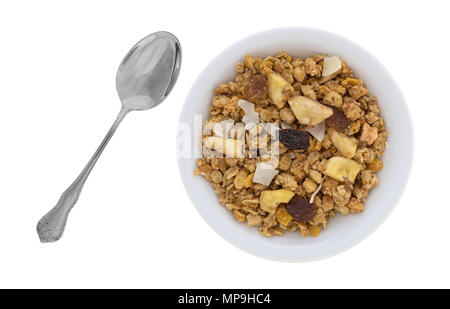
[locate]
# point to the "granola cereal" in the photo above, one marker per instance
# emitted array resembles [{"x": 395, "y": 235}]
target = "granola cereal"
[{"x": 328, "y": 131}]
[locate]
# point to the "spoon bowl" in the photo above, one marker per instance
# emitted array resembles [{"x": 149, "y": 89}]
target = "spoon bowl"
[
  {"x": 149, "y": 71},
  {"x": 144, "y": 79}
]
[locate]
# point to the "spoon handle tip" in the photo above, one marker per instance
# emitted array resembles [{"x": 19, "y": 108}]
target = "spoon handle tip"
[{"x": 51, "y": 227}]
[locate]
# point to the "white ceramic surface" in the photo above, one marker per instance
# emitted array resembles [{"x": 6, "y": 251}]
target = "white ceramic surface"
[{"x": 341, "y": 232}]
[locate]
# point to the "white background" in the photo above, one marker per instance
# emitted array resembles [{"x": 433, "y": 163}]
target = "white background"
[{"x": 133, "y": 226}]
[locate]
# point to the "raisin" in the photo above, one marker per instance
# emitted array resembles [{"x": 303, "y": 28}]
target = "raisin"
[
  {"x": 294, "y": 139},
  {"x": 256, "y": 88},
  {"x": 301, "y": 209},
  {"x": 338, "y": 120},
  {"x": 283, "y": 217}
]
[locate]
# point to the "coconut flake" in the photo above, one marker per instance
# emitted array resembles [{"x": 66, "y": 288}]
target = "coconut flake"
[
  {"x": 318, "y": 131},
  {"x": 264, "y": 173},
  {"x": 251, "y": 117},
  {"x": 249, "y": 126},
  {"x": 311, "y": 200},
  {"x": 331, "y": 68},
  {"x": 223, "y": 128},
  {"x": 285, "y": 125},
  {"x": 331, "y": 65}
]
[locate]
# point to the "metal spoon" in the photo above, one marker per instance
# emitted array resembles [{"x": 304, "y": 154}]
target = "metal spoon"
[{"x": 145, "y": 77}]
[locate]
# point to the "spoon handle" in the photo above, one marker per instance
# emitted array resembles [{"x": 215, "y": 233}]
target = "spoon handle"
[{"x": 51, "y": 227}]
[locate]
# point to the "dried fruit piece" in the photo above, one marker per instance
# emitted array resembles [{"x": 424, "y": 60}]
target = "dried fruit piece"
[
  {"x": 240, "y": 178},
  {"x": 331, "y": 67},
  {"x": 341, "y": 168},
  {"x": 249, "y": 180},
  {"x": 308, "y": 111},
  {"x": 303, "y": 229},
  {"x": 345, "y": 144},
  {"x": 314, "y": 145},
  {"x": 301, "y": 209},
  {"x": 338, "y": 120},
  {"x": 279, "y": 89},
  {"x": 294, "y": 139},
  {"x": 283, "y": 217},
  {"x": 264, "y": 173},
  {"x": 376, "y": 165},
  {"x": 314, "y": 230},
  {"x": 369, "y": 134},
  {"x": 350, "y": 82},
  {"x": 256, "y": 88},
  {"x": 270, "y": 199},
  {"x": 231, "y": 148}
]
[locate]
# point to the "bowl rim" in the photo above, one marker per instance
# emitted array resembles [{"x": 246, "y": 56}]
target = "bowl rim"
[{"x": 358, "y": 238}]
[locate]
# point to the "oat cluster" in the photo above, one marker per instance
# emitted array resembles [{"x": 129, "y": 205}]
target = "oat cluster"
[{"x": 331, "y": 175}]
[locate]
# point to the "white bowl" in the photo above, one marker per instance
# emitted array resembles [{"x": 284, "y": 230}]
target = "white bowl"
[{"x": 341, "y": 232}]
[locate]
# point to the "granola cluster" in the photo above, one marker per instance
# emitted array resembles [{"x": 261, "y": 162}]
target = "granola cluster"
[{"x": 312, "y": 180}]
